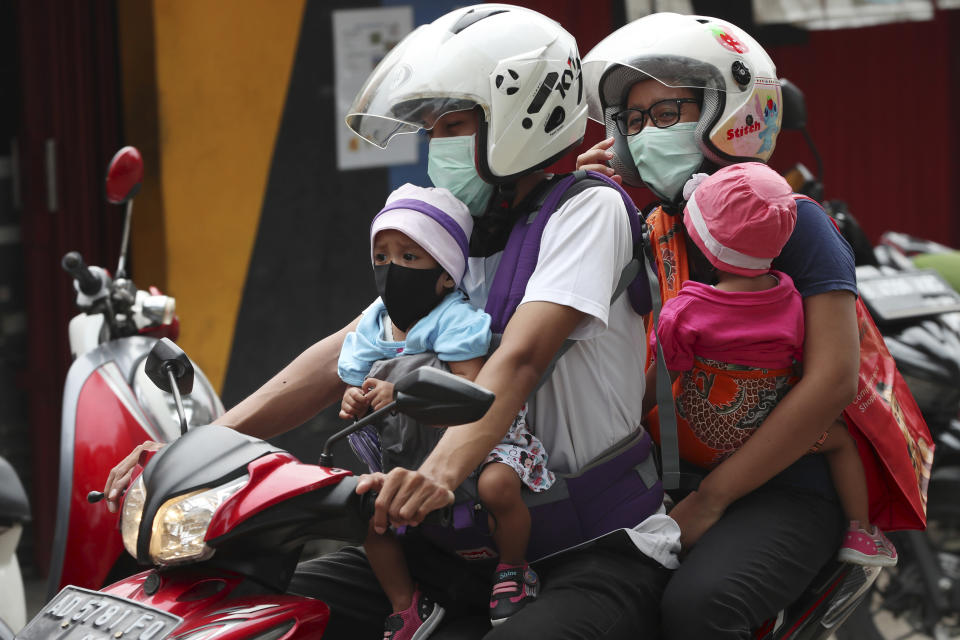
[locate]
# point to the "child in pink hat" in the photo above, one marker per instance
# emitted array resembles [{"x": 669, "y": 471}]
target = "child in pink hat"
[
  {"x": 748, "y": 324},
  {"x": 419, "y": 245}
]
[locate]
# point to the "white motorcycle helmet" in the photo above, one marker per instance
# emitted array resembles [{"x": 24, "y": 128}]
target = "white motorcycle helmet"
[
  {"x": 742, "y": 107},
  {"x": 520, "y": 67}
]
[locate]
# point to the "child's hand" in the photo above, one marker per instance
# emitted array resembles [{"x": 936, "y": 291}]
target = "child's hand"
[
  {"x": 379, "y": 393},
  {"x": 354, "y": 404}
]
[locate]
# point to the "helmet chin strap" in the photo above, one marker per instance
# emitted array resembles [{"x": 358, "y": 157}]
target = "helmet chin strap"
[
  {"x": 502, "y": 199},
  {"x": 490, "y": 231}
]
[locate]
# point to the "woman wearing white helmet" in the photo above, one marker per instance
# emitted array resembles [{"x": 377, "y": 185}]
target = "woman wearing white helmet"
[{"x": 684, "y": 94}]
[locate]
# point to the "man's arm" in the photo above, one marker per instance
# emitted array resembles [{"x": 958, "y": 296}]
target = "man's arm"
[
  {"x": 302, "y": 389},
  {"x": 830, "y": 364},
  {"x": 534, "y": 334}
]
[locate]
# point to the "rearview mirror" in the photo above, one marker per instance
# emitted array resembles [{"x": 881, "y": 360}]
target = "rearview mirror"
[
  {"x": 124, "y": 175},
  {"x": 794, "y": 106},
  {"x": 166, "y": 361},
  {"x": 433, "y": 396}
]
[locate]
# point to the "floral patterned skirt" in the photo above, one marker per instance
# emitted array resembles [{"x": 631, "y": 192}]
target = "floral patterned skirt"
[{"x": 524, "y": 453}]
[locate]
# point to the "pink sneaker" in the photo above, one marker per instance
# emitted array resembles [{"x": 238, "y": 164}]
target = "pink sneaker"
[
  {"x": 416, "y": 622},
  {"x": 863, "y": 547},
  {"x": 514, "y": 587}
]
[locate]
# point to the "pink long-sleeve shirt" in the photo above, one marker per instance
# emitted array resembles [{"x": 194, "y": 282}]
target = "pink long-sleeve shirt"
[{"x": 762, "y": 329}]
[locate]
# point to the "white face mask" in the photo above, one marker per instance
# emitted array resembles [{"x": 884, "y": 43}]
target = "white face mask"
[
  {"x": 666, "y": 158},
  {"x": 450, "y": 164}
]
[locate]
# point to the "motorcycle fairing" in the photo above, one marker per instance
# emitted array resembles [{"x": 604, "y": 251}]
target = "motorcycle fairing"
[
  {"x": 96, "y": 401},
  {"x": 273, "y": 479},
  {"x": 216, "y": 602},
  {"x": 204, "y": 457}
]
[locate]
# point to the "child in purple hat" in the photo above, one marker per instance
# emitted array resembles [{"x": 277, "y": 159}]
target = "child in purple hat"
[
  {"x": 419, "y": 244},
  {"x": 747, "y": 326}
]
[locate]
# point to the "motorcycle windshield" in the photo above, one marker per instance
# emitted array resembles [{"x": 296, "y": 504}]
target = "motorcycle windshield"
[{"x": 412, "y": 87}]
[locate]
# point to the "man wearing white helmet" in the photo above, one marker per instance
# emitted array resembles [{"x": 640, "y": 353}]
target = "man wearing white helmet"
[
  {"x": 499, "y": 90},
  {"x": 684, "y": 94}
]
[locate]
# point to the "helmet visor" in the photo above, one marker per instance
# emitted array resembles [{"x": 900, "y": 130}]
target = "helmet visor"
[
  {"x": 411, "y": 89},
  {"x": 644, "y": 49}
]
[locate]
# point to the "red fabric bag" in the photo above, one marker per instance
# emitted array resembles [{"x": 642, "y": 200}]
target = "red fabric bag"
[{"x": 892, "y": 437}]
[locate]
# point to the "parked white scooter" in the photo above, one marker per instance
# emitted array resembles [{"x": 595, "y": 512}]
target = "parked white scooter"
[{"x": 14, "y": 512}]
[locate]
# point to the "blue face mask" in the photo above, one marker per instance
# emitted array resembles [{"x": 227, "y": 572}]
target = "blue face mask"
[
  {"x": 450, "y": 165},
  {"x": 666, "y": 158}
]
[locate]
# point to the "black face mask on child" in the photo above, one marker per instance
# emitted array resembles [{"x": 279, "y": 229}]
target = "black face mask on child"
[{"x": 409, "y": 294}]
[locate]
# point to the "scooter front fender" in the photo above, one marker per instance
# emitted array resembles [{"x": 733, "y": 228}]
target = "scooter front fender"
[{"x": 101, "y": 423}]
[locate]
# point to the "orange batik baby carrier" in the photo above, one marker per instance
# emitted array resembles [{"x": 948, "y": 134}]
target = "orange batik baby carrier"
[{"x": 892, "y": 437}]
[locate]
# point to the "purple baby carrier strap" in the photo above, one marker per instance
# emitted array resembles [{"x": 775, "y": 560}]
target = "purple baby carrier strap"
[
  {"x": 608, "y": 496},
  {"x": 444, "y": 219},
  {"x": 523, "y": 250}
]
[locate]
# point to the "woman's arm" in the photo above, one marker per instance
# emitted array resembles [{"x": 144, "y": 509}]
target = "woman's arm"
[
  {"x": 596, "y": 158},
  {"x": 831, "y": 360}
]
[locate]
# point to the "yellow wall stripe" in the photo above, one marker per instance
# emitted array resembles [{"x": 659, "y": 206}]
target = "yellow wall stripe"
[{"x": 222, "y": 70}]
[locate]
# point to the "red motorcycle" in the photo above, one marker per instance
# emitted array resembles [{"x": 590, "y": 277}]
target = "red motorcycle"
[
  {"x": 223, "y": 518},
  {"x": 109, "y": 405}
]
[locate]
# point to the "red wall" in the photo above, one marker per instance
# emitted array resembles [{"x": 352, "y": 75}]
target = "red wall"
[{"x": 880, "y": 104}]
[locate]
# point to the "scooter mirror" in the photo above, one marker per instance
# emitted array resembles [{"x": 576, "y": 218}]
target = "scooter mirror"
[
  {"x": 794, "y": 106},
  {"x": 435, "y": 397},
  {"x": 166, "y": 358},
  {"x": 124, "y": 175}
]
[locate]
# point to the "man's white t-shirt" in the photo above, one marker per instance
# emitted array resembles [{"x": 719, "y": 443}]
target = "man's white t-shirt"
[{"x": 593, "y": 399}]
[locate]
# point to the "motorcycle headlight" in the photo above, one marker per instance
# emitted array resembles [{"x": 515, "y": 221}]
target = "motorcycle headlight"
[
  {"x": 133, "y": 502},
  {"x": 181, "y": 524}
]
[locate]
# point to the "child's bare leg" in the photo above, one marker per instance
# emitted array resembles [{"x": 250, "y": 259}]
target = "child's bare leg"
[
  {"x": 499, "y": 490},
  {"x": 390, "y": 566},
  {"x": 847, "y": 472}
]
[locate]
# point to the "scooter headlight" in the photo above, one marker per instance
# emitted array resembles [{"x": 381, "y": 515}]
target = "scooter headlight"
[
  {"x": 181, "y": 524},
  {"x": 133, "y": 502}
]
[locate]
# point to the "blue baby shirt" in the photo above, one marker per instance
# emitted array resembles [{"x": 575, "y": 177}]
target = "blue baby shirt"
[{"x": 454, "y": 330}]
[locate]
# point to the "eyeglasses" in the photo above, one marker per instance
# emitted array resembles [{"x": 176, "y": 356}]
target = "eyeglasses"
[{"x": 662, "y": 114}]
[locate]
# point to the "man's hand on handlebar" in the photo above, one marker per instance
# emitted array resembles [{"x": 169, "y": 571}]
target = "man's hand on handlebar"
[
  {"x": 596, "y": 159},
  {"x": 405, "y": 497},
  {"x": 119, "y": 476}
]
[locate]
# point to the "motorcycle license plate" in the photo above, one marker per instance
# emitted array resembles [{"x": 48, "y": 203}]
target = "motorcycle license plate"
[{"x": 81, "y": 614}]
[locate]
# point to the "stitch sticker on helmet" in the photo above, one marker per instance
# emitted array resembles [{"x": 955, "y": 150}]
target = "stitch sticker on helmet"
[
  {"x": 727, "y": 40},
  {"x": 771, "y": 126},
  {"x": 756, "y": 134},
  {"x": 508, "y": 84}
]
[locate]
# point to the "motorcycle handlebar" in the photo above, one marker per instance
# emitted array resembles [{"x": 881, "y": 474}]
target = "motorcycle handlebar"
[
  {"x": 88, "y": 282},
  {"x": 442, "y": 517}
]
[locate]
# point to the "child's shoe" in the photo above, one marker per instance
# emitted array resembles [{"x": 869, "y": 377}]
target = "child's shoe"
[
  {"x": 863, "y": 547},
  {"x": 416, "y": 622},
  {"x": 514, "y": 586}
]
